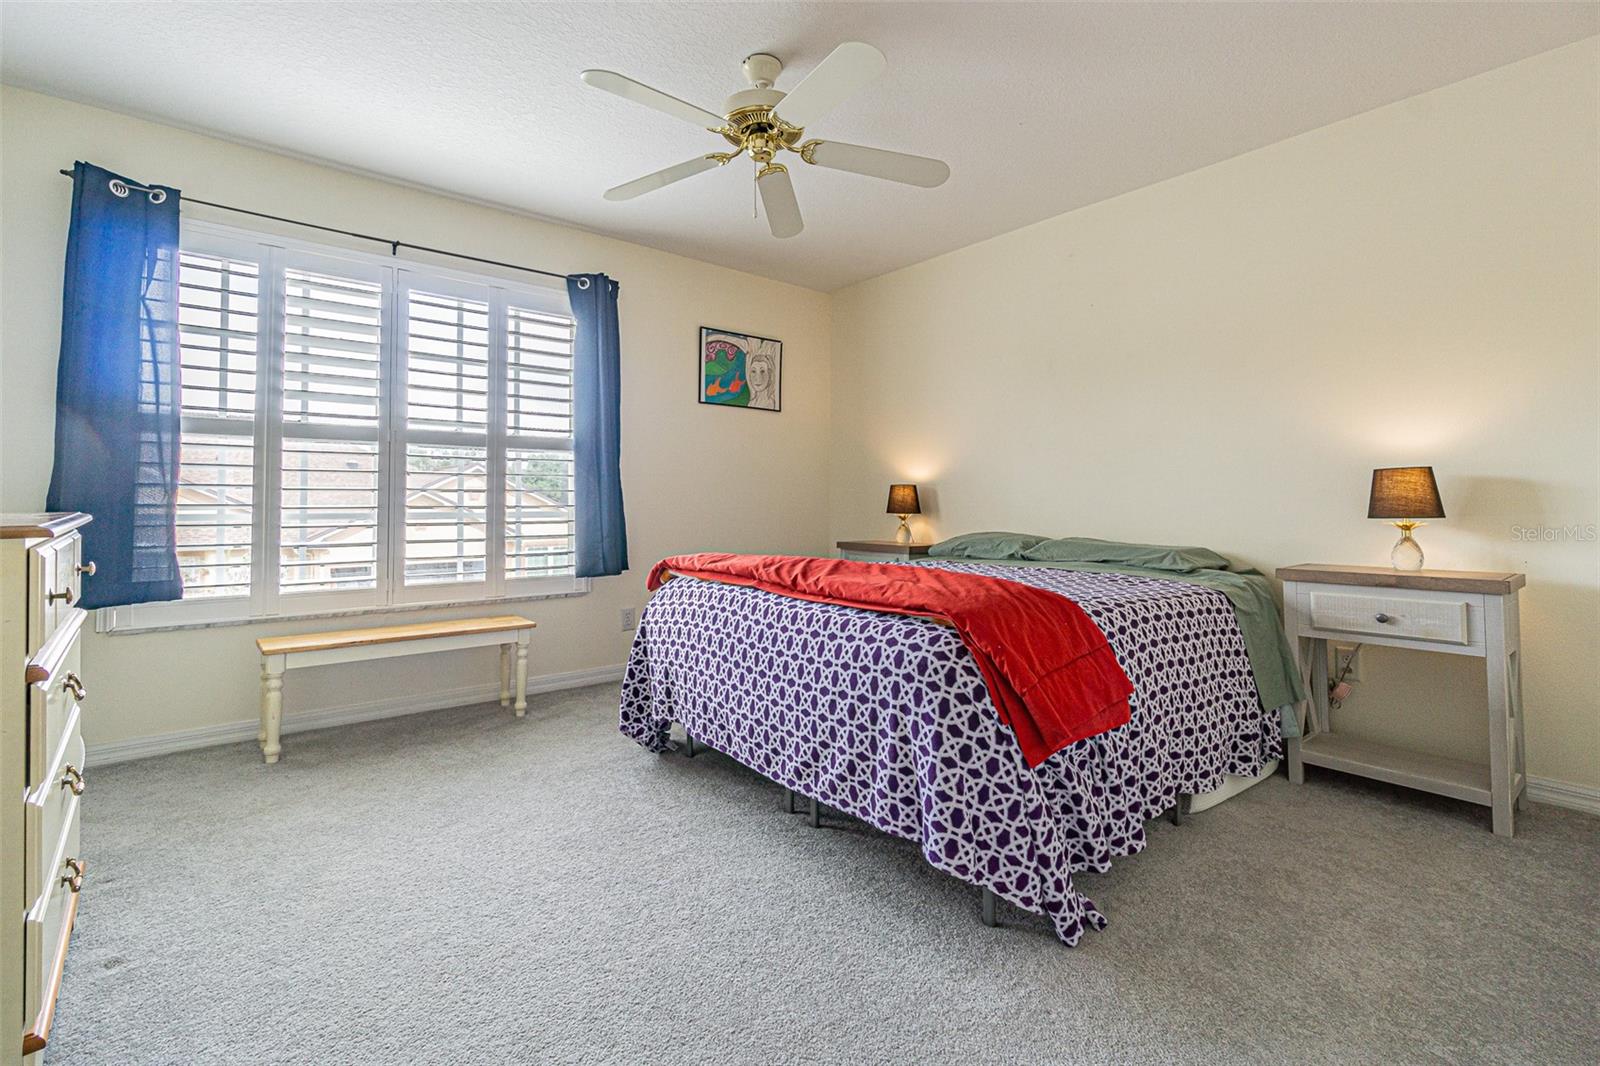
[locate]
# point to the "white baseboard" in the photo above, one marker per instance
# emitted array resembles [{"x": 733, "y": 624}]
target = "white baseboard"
[
  {"x": 1564, "y": 794},
  {"x": 1540, "y": 789},
  {"x": 344, "y": 714}
]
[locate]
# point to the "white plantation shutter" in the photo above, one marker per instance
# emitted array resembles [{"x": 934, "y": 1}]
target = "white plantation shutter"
[
  {"x": 539, "y": 507},
  {"x": 218, "y": 338},
  {"x": 447, "y": 462},
  {"x": 331, "y": 472},
  {"x": 447, "y": 515},
  {"x": 447, "y": 363},
  {"x": 357, "y": 433},
  {"x": 539, "y": 513},
  {"x": 539, "y": 356}
]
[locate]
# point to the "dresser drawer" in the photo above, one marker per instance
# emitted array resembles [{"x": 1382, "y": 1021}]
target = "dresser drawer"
[
  {"x": 53, "y": 702},
  {"x": 44, "y": 579},
  {"x": 69, "y": 557},
  {"x": 47, "y": 932},
  {"x": 50, "y": 812},
  {"x": 1440, "y": 617},
  {"x": 56, "y": 580}
]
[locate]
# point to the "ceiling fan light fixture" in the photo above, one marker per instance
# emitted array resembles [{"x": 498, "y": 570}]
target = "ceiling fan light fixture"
[{"x": 762, "y": 69}]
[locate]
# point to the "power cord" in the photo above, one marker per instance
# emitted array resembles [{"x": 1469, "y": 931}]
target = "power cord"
[{"x": 1333, "y": 686}]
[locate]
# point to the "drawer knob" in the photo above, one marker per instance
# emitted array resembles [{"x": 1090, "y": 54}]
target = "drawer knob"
[
  {"x": 74, "y": 879},
  {"x": 1384, "y": 618},
  {"x": 64, "y": 594},
  {"x": 86, "y": 569},
  {"x": 73, "y": 684},
  {"x": 72, "y": 778}
]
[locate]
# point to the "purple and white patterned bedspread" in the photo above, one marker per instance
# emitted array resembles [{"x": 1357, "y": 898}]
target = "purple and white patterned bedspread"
[{"x": 885, "y": 717}]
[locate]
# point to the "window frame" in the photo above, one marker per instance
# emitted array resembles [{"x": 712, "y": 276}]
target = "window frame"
[{"x": 266, "y": 432}]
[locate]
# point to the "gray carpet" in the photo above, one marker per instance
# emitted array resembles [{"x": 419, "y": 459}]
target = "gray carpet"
[{"x": 463, "y": 887}]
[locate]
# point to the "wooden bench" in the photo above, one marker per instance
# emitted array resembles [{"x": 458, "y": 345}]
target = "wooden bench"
[{"x": 279, "y": 654}]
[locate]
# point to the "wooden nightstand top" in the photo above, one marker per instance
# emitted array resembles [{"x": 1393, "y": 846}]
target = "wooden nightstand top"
[
  {"x": 883, "y": 547},
  {"x": 1494, "y": 583}
]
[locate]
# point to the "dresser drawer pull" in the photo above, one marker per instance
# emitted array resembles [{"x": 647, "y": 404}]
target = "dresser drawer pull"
[
  {"x": 74, "y": 880},
  {"x": 1384, "y": 618},
  {"x": 72, "y": 778},
  {"x": 74, "y": 684},
  {"x": 86, "y": 569},
  {"x": 64, "y": 594}
]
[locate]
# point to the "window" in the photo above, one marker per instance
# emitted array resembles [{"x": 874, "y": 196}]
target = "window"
[{"x": 362, "y": 433}]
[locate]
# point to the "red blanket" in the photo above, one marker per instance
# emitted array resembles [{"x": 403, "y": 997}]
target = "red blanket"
[{"x": 1051, "y": 674}]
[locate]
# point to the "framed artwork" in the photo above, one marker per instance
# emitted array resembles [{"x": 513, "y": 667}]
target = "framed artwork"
[{"x": 740, "y": 370}]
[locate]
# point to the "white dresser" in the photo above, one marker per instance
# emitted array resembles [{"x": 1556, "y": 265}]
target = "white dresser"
[{"x": 41, "y": 768}]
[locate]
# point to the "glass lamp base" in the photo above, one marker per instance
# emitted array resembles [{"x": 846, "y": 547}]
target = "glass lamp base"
[
  {"x": 1407, "y": 553},
  {"x": 903, "y": 534}
]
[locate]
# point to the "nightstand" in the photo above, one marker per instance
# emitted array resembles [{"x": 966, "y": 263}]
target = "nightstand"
[
  {"x": 879, "y": 551},
  {"x": 1455, "y": 612}
]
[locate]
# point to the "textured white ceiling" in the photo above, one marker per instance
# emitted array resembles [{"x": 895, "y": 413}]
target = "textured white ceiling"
[{"x": 1038, "y": 108}]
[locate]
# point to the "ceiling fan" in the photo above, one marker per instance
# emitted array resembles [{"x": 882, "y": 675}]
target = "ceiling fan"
[{"x": 764, "y": 121}]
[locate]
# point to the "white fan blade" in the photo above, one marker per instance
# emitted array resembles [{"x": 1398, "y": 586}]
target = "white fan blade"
[
  {"x": 651, "y": 182},
  {"x": 848, "y": 68},
  {"x": 877, "y": 163},
  {"x": 777, "y": 196},
  {"x": 640, "y": 93}
]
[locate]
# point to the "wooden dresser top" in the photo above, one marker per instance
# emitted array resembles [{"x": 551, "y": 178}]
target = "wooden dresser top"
[
  {"x": 41, "y": 525},
  {"x": 1493, "y": 582}
]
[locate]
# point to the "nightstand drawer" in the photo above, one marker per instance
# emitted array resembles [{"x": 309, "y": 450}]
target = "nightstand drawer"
[{"x": 1442, "y": 619}]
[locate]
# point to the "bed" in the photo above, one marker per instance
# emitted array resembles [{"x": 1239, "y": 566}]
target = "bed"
[{"x": 886, "y": 718}]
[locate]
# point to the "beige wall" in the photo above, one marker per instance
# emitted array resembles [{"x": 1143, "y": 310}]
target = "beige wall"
[
  {"x": 695, "y": 476},
  {"x": 1217, "y": 359},
  {"x": 1222, "y": 358}
]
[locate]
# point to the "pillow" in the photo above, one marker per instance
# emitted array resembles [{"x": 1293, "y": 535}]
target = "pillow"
[
  {"x": 1167, "y": 557},
  {"x": 985, "y": 546}
]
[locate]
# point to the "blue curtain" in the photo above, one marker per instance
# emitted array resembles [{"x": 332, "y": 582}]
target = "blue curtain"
[
  {"x": 597, "y": 426},
  {"x": 117, "y": 387}
]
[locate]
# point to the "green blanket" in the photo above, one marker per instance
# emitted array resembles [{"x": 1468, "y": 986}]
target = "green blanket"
[{"x": 1277, "y": 680}]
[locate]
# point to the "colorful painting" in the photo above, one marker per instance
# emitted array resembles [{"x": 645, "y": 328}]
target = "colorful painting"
[{"x": 740, "y": 370}]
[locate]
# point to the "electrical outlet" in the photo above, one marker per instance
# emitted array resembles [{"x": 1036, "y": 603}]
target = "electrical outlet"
[
  {"x": 1347, "y": 655},
  {"x": 630, "y": 619}
]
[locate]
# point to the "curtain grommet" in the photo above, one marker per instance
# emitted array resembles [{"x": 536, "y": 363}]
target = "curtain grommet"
[{"x": 118, "y": 188}]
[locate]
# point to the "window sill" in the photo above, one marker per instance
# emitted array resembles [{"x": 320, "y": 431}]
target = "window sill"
[{"x": 106, "y": 620}]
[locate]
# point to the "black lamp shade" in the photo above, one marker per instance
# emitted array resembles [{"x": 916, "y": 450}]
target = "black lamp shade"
[
  {"x": 903, "y": 500},
  {"x": 1405, "y": 492}
]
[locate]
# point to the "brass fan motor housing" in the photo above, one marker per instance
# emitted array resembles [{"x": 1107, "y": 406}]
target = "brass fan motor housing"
[{"x": 760, "y": 132}]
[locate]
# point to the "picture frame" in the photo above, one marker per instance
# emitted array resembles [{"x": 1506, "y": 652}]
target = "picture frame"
[{"x": 738, "y": 369}]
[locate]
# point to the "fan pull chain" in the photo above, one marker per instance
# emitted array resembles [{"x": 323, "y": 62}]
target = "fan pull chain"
[{"x": 755, "y": 173}]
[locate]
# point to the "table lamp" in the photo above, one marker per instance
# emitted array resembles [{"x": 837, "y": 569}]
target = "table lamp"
[
  {"x": 903, "y": 501},
  {"x": 1405, "y": 495}
]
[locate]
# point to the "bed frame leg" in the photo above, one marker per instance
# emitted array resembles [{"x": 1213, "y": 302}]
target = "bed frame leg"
[
  {"x": 688, "y": 743},
  {"x": 816, "y": 814},
  {"x": 1180, "y": 807},
  {"x": 989, "y": 918},
  {"x": 788, "y": 798}
]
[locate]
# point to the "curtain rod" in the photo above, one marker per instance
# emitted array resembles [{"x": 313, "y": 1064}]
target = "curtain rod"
[{"x": 394, "y": 245}]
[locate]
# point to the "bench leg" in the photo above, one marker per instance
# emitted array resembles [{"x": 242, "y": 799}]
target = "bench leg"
[
  {"x": 271, "y": 707},
  {"x": 261, "y": 734},
  {"x": 505, "y": 675},
  {"x": 521, "y": 691}
]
